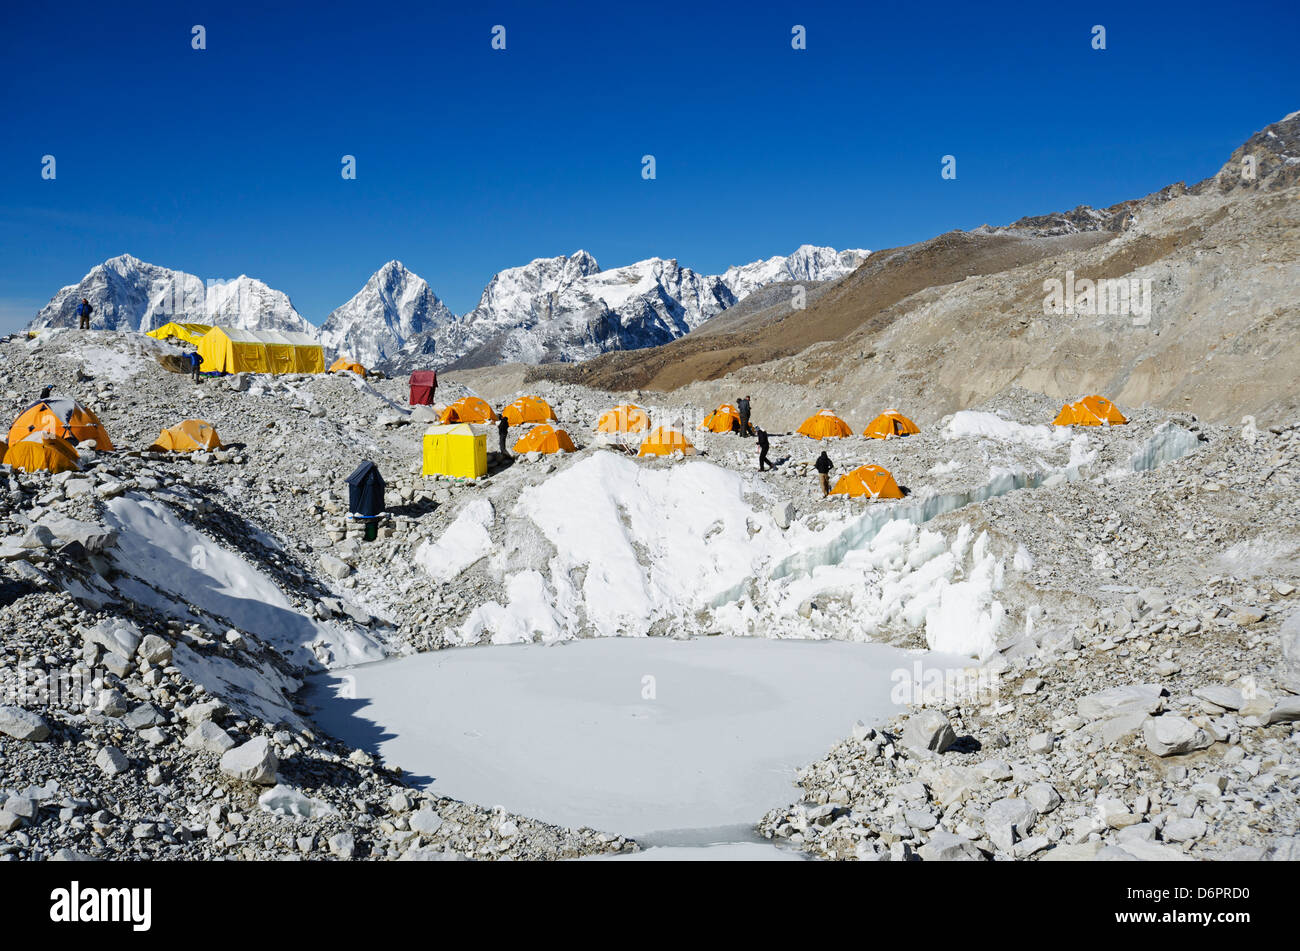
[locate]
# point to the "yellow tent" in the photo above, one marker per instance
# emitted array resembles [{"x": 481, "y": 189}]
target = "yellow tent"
[
  {"x": 825, "y": 425},
  {"x": 231, "y": 350},
  {"x": 188, "y": 436},
  {"x": 44, "y": 451},
  {"x": 528, "y": 409},
  {"x": 343, "y": 363},
  {"x": 890, "y": 423},
  {"x": 64, "y": 418},
  {"x": 190, "y": 333},
  {"x": 626, "y": 418},
  {"x": 469, "y": 409},
  {"x": 724, "y": 419},
  {"x": 664, "y": 442},
  {"x": 454, "y": 451},
  {"x": 868, "y": 480},
  {"x": 545, "y": 438},
  {"x": 1090, "y": 411}
]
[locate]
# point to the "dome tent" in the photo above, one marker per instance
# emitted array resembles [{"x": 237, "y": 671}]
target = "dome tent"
[
  {"x": 545, "y": 438},
  {"x": 529, "y": 409},
  {"x": 67, "y": 419},
  {"x": 468, "y": 409},
  {"x": 873, "y": 481},
  {"x": 625, "y": 418},
  {"x": 187, "y": 436},
  {"x": 890, "y": 423},
  {"x": 44, "y": 452},
  {"x": 664, "y": 442},
  {"x": 824, "y": 425},
  {"x": 724, "y": 419},
  {"x": 1090, "y": 411}
]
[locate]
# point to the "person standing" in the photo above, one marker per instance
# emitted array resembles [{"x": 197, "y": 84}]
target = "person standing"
[
  {"x": 503, "y": 429},
  {"x": 762, "y": 451},
  {"x": 742, "y": 406},
  {"x": 823, "y": 465},
  {"x": 84, "y": 310},
  {"x": 196, "y": 361}
]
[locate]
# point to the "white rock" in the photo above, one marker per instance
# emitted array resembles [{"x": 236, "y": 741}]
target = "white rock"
[
  {"x": 253, "y": 762},
  {"x": 23, "y": 724},
  {"x": 112, "y": 761},
  {"x": 1171, "y": 735},
  {"x": 210, "y": 737}
]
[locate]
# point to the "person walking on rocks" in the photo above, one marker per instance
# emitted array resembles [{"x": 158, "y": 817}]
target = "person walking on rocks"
[
  {"x": 823, "y": 465},
  {"x": 762, "y": 451},
  {"x": 742, "y": 406},
  {"x": 84, "y": 310},
  {"x": 503, "y": 429},
  {"x": 196, "y": 361},
  {"x": 45, "y": 393}
]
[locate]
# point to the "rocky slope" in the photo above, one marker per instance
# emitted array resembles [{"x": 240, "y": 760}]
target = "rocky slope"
[{"x": 130, "y": 294}]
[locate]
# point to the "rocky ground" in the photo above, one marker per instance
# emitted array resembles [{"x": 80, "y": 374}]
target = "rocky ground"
[{"x": 1167, "y": 580}]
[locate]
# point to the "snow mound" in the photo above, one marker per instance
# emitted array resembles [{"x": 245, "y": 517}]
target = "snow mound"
[{"x": 982, "y": 425}]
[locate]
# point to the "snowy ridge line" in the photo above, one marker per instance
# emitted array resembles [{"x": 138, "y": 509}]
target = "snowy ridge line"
[{"x": 1170, "y": 442}]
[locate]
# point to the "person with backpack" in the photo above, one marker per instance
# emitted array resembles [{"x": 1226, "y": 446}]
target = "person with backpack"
[
  {"x": 762, "y": 451},
  {"x": 742, "y": 406},
  {"x": 84, "y": 310},
  {"x": 503, "y": 430},
  {"x": 196, "y": 361},
  {"x": 823, "y": 465}
]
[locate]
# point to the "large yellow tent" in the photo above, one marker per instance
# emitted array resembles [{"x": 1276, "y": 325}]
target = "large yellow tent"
[
  {"x": 190, "y": 333},
  {"x": 528, "y": 409},
  {"x": 454, "y": 451},
  {"x": 351, "y": 366},
  {"x": 188, "y": 436},
  {"x": 468, "y": 409},
  {"x": 625, "y": 418},
  {"x": 824, "y": 425},
  {"x": 231, "y": 350},
  {"x": 66, "y": 419},
  {"x": 890, "y": 423},
  {"x": 868, "y": 480},
  {"x": 42, "y": 451},
  {"x": 664, "y": 442},
  {"x": 724, "y": 419},
  {"x": 545, "y": 438},
  {"x": 1090, "y": 411}
]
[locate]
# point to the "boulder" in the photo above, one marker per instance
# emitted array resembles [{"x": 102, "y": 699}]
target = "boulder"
[
  {"x": 155, "y": 650},
  {"x": 1173, "y": 736},
  {"x": 208, "y": 736},
  {"x": 1007, "y": 820},
  {"x": 23, "y": 724},
  {"x": 1119, "y": 700},
  {"x": 117, "y": 637},
  {"x": 253, "y": 762},
  {"x": 928, "y": 730},
  {"x": 112, "y": 761},
  {"x": 944, "y": 846}
]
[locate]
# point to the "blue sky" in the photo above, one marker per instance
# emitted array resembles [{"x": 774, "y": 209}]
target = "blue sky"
[{"x": 227, "y": 160}]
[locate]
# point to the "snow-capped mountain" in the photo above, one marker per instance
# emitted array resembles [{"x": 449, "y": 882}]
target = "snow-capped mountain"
[
  {"x": 566, "y": 308},
  {"x": 130, "y": 294},
  {"x": 394, "y": 307}
]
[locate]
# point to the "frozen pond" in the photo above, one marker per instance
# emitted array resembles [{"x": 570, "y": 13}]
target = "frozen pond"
[{"x": 676, "y": 742}]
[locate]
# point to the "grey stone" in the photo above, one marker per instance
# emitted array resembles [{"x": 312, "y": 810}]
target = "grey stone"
[
  {"x": 112, "y": 761},
  {"x": 1145, "y": 697},
  {"x": 155, "y": 650},
  {"x": 253, "y": 762},
  {"x": 1007, "y": 820},
  {"x": 944, "y": 846},
  {"x": 208, "y": 736},
  {"x": 23, "y": 724},
  {"x": 1221, "y": 696},
  {"x": 928, "y": 730},
  {"x": 1171, "y": 735},
  {"x": 1043, "y": 797}
]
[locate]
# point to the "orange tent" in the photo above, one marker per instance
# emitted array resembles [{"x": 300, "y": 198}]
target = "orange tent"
[
  {"x": 545, "y": 438},
  {"x": 890, "y": 423},
  {"x": 188, "y": 436},
  {"x": 868, "y": 480},
  {"x": 468, "y": 409},
  {"x": 343, "y": 363},
  {"x": 528, "y": 409},
  {"x": 66, "y": 419},
  {"x": 626, "y": 418},
  {"x": 664, "y": 442},
  {"x": 43, "y": 451},
  {"x": 724, "y": 419},
  {"x": 1090, "y": 411},
  {"x": 824, "y": 425}
]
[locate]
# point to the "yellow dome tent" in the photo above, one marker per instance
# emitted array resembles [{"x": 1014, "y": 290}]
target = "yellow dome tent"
[
  {"x": 468, "y": 409},
  {"x": 343, "y": 363},
  {"x": 626, "y": 418},
  {"x": 1090, "y": 411},
  {"x": 454, "y": 451},
  {"x": 191, "y": 435},
  {"x": 664, "y": 442},
  {"x": 890, "y": 423},
  {"x": 868, "y": 480},
  {"x": 528, "y": 409},
  {"x": 42, "y": 451},
  {"x": 190, "y": 333},
  {"x": 824, "y": 425},
  {"x": 724, "y": 419},
  {"x": 66, "y": 419},
  {"x": 545, "y": 438}
]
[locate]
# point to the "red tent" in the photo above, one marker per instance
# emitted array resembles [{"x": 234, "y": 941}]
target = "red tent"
[{"x": 423, "y": 385}]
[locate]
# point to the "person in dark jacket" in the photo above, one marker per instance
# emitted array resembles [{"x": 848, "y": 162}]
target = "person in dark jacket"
[
  {"x": 84, "y": 310},
  {"x": 503, "y": 429},
  {"x": 196, "y": 361},
  {"x": 823, "y": 465},
  {"x": 742, "y": 407},
  {"x": 762, "y": 451},
  {"x": 45, "y": 393}
]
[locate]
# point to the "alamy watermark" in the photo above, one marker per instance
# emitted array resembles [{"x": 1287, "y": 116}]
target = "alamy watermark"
[
  {"x": 1105, "y": 297},
  {"x": 922, "y": 686}
]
